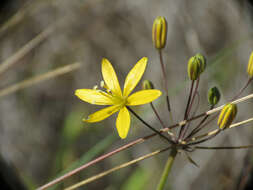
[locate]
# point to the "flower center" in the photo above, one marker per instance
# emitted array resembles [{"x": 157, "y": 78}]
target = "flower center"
[{"x": 105, "y": 91}]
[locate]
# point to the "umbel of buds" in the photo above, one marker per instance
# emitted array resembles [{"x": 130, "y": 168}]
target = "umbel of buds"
[
  {"x": 213, "y": 96},
  {"x": 250, "y": 66},
  {"x": 196, "y": 65},
  {"x": 159, "y": 32},
  {"x": 146, "y": 85},
  {"x": 227, "y": 116}
]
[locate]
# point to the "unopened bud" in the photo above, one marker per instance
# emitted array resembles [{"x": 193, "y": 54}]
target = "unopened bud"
[
  {"x": 250, "y": 66},
  {"x": 227, "y": 116},
  {"x": 159, "y": 32},
  {"x": 213, "y": 96},
  {"x": 147, "y": 85},
  {"x": 194, "y": 68},
  {"x": 202, "y": 61}
]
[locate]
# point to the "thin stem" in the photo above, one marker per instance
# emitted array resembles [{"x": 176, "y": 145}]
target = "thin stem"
[
  {"x": 194, "y": 112},
  {"x": 206, "y": 139},
  {"x": 243, "y": 88},
  {"x": 107, "y": 155},
  {"x": 162, "y": 123},
  {"x": 157, "y": 115},
  {"x": 186, "y": 110},
  {"x": 216, "y": 130},
  {"x": 167, "y": 169},
  {"x": 149, "y": 126},
  {"x": 190, "y": 107},
  {"x": 189, "y": 100},
  {"x": 194, "y": 95},
  {"x": 199, "y": 126},
  {"x": 137, "y": 141},
  {"x": 100, "y": 175},
  {"x": 165, "y": 81},
  {"x": 223, "y": 147}
]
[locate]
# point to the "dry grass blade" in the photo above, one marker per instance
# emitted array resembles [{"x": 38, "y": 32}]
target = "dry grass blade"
[
  {"x": 102, "y": 174},
  {"x": 40, "y": 78},
  {"x": 25, "y": 49},
  {"x": 233, "y": 102},
  {"x": 28, "y": 7},
  {"x": 137, "y": 141}
]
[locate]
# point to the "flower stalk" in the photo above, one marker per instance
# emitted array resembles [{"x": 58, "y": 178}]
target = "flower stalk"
[{"x": 167, "y": 169}]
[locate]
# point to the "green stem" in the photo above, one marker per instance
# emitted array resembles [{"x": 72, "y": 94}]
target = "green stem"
[{"x": 167, "y": 169}]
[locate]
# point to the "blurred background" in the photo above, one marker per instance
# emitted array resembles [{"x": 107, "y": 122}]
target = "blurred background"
[{"x": 41, "y": 130}]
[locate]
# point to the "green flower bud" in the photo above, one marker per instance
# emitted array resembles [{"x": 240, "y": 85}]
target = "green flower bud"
[
  {"x": 159, "y": 32},
  {"x": 250, "y": 65},
  {"x": 146, "y": 85},
  {"x": 227, "y": 116},
  {"x": 213, "y": 96},
  {"x": 202, "y": 60},
  {"x": 194, "y": 68}
]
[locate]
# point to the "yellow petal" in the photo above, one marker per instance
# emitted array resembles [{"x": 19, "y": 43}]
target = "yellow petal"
[
  {"x": 101, "y": 114},
  {"x": 110, "y": 77},
  {"x": 123, "y": 122},
  {"x": 134, "y": 76},
  {"x": 143, "y": 97},
  {"x": 94, "y": 96}
]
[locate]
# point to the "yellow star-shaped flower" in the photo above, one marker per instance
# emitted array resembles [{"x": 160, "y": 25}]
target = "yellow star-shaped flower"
[{"x": 114, "y": 97}]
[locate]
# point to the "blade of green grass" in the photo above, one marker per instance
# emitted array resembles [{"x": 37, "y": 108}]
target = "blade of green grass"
[{"x": 138, "y": 180}]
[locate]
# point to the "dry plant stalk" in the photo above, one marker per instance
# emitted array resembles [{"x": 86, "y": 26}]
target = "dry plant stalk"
[{"x": 185, "y": 141}]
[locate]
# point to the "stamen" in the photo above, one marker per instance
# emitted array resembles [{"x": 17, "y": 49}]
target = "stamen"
[
  {"x": 105, "y": 94},
  {"x": 85, "y": 119},
  {"x": 102, "y": 84}
]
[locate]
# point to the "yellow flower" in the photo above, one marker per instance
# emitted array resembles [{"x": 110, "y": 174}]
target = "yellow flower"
[{"x": 114, "y": 97}]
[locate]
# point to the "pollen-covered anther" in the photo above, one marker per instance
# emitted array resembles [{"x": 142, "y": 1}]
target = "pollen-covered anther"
[
  {"x": 147, "y": 85},
  {"x": 85, "y": 119},
  {"x": 95, "y": 87}
]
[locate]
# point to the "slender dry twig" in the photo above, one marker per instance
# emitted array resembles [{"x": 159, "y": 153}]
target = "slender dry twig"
[
  {"x": 102, "y": 174},
  {"x": 138, "y": 141},
  {"x": 216, "y": 130},
  {"x": 40, "y": 78},
  {"x": 10, "y": 61},
  {"x": 28, "y": 8}
]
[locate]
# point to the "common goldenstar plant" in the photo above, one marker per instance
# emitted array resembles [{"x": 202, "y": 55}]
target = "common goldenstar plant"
[{"x": 113, "y": 96}]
